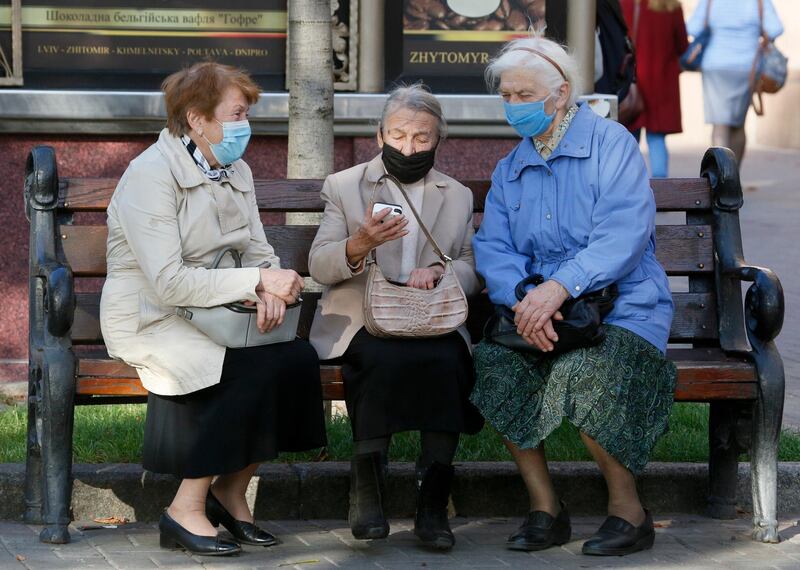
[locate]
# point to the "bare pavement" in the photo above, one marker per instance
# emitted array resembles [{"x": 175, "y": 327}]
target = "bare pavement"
[{"x": 682, "y": 541}]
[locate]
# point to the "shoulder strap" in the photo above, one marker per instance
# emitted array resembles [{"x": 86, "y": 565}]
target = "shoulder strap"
[
  {"x": 637, "y": 12},
  {"x": 708, "y": 11},
  {"x": 755, "y": 79},
  {"x": 764, "y": 36},
  {"x": 428, "y": 236}
]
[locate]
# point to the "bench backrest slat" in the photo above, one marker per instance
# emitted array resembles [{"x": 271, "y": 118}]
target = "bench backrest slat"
[
  {"x": 94, "y": 194},
  {"x": 681, "y": 249}
]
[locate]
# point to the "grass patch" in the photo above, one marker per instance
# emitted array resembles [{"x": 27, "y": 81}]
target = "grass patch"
[{"x": 113, "y": 434}]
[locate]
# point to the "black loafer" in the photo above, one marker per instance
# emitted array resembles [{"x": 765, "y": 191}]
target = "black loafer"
[
  {"x": 541, "y": 530},
  {"x": 244, "y": 532},
  {"x": 173, "y": 536},
  {"x": 618, "y": 537}
]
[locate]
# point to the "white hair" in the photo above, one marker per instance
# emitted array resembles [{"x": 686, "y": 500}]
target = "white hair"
[
  {"x": 515, "y": 55},
  {"x": 418, "y": 98}
]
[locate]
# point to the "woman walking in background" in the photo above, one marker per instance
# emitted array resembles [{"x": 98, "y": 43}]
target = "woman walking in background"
[
  {"x": 727, "y": 62},
  {"x": 659, "y": 35}
]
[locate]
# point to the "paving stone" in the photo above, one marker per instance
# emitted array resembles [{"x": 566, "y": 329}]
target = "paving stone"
[{"x": 682, "y": 541}]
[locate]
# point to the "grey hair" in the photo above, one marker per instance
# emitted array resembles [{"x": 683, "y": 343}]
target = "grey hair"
[
  {"x": 514, "y": 56},
  {"x": 416, "y": 97}
]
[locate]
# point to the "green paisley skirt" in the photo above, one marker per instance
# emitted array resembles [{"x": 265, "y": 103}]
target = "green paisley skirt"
[{"x": 619, "y": 393}]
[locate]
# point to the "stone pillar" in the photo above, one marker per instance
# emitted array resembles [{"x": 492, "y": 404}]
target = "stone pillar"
[
  {"x": 370, "y": 46},
  {"x": 581, "y": 23}
]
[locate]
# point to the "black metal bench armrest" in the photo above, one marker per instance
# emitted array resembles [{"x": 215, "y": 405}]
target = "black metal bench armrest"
[
  {"x": 762, "y": 318},
  {"x": 59, "y": 298},
  {"x": 52, "y": 291},
  {"x": 764, "y": 303}
]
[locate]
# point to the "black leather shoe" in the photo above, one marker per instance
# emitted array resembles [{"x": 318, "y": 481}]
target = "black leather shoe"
[
  {"x": 244, "y": 532},
  {"x": 541, "y": 530},
  {"x": 618, "y": 537},
  {"x": 173, "y": 536}
]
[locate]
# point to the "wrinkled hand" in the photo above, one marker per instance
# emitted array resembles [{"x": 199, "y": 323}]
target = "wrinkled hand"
[
  {"x": 270, "y": 311},
  {"x": 285, "y": 284},
  {"x": 374, "y": 231},
  {"x": 425, "y": 277},
  {"x": 534, "y": 315}
]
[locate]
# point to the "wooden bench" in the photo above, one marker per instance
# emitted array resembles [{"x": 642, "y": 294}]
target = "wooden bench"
[{"x": 701, "y": 247}]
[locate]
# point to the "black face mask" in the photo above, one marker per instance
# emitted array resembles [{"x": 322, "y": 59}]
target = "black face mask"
[{"x": 407, "y": 169}]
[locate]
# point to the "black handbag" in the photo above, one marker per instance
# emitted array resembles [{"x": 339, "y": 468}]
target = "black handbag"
[{"x": 582, "y": 325}]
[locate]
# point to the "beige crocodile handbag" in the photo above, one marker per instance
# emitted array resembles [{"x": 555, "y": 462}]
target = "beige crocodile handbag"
[{"x": 393, "y": 310}]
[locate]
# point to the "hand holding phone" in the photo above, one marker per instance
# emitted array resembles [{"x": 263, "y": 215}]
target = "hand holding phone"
[{"x": 395, "y": 210}]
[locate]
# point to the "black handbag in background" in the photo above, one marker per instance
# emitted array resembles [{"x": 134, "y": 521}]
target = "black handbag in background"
[{"x": 582, "y": 325}]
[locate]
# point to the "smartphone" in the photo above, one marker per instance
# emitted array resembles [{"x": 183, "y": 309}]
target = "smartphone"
[{"x": 396, "y": 209}]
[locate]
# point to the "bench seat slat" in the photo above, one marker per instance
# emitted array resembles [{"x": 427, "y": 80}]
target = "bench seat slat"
[
  {"x": 105, "y": 377},
  {"x": 680, "y": 249},
  {"x": 702, "y": 375},
  {"x": 94, "y": 194}
]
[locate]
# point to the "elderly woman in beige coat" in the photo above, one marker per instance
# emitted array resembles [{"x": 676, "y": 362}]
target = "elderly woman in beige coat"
[
  {"x": 212, "y": 410},
  {"x": 397, "y": 384}
]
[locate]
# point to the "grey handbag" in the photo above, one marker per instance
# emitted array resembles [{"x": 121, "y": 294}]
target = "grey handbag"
[{"x": 234, "y": 324}]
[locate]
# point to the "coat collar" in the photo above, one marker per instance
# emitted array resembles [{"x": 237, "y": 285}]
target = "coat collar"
[
  {"x": 576, "y": 143},
  {"x": 184, "y": 169}
]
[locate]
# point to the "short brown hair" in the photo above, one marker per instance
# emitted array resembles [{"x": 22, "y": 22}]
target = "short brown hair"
[{"x": 200, "y": 88}]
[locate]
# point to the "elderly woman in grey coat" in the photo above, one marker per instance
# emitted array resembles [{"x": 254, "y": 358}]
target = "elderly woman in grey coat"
[{"x": 397, "y": 384}]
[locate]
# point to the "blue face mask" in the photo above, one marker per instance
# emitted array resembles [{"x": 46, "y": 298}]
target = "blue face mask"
[
  {"x": 528, "y": 119},
  {"x": 235, "y": 136}
]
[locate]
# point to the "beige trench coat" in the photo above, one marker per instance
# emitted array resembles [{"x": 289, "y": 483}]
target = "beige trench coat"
[
  {"x": 166, "y": 222},
  {"x": 446, "y": 211}
]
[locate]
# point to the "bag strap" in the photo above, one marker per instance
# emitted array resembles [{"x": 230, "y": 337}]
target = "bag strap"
[
  {"x": 755, "y": 83},
  {"x": 763, "y": 33},
  {"x": 708, "y": 11},
  {"x": 238, "y": 307},
  {"x": 519, "y": 291},
  {"x": 237, "y": 258},
  {"x": 637, "y": 12},
  {"x": 428, "y": 236}
]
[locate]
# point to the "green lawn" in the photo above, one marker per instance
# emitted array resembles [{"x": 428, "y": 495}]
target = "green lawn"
[{"x": 114, "y": 434}]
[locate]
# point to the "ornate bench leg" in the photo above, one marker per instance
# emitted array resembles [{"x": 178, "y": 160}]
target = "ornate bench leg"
[
  {"x": 766, "y": 435},
  {"x": 33, "y": 465},
  {"x": 58, "y": 396},
  {"x": 724, "y": 450}
]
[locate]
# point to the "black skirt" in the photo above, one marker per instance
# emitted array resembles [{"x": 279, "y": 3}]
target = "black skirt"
[
  {"x": 268, "y": 400},
  {"x": 396, "y": 384}
]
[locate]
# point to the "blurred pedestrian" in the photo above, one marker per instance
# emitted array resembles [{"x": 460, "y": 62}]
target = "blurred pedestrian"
[
  {"x": 728, "y": 61},
  {"x": 659, "y": 35}
]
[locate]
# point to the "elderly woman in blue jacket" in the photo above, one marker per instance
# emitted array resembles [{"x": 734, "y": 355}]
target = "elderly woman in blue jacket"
[{"x": 572, "y": 202}]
